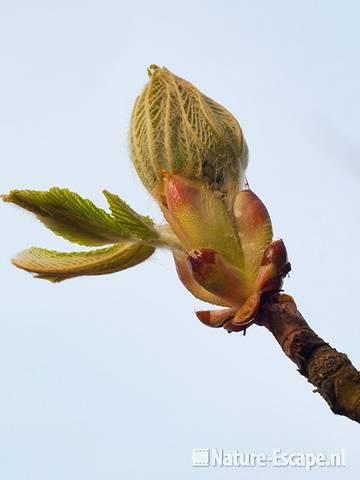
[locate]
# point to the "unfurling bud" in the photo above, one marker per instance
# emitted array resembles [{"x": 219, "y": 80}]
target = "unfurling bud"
[
  {"x": 228, "y": 261},
  {"x": 191, "y": 155},
  {"x": 174, "y": 127}
]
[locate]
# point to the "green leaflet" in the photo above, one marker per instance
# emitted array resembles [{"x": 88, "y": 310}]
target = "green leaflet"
[
  {"x": 131, "y": 221},
  {"x": 59, "y": 266},
  {"x": 77, "y": 219}
]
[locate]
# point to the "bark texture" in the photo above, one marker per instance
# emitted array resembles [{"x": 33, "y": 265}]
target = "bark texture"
[{"x": 330, "y": 371}]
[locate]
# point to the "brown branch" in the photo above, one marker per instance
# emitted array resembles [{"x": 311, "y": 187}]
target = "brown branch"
[{"x": 331, "y": 372}]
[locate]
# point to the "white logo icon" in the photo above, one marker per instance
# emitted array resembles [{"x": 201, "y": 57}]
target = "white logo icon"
[{"x": 200, "y": 457}]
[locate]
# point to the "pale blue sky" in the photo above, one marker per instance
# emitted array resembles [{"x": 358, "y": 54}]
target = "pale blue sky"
[{"x": 114, "y": 377}]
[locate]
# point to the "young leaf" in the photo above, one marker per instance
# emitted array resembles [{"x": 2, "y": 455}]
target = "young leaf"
[
  {"x": 70, "y": 216},
  {"x": 58, "y": 266},
  {"x": 135, "y": 224}
]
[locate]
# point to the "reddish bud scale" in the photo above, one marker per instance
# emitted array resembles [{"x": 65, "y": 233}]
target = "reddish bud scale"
[{"x": 227, "y": 262}]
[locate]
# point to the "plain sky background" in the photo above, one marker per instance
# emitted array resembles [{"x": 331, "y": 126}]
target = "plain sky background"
[{"x": 113, "y": 377}]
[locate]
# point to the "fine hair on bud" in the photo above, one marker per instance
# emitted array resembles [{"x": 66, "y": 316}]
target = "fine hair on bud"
[{"x": 174, "y": 127}]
